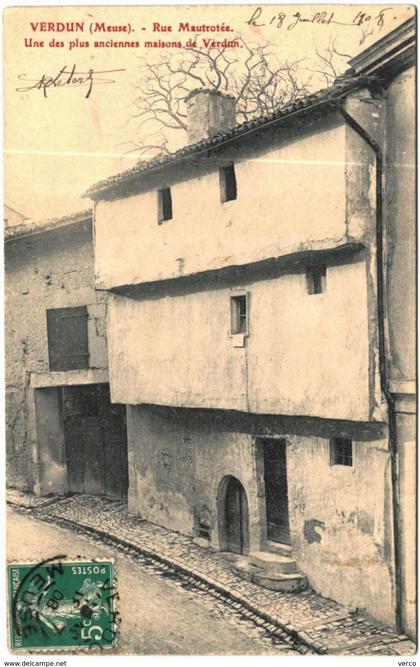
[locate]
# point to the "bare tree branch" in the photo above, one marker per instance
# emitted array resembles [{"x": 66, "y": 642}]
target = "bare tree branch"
[
  {"x": 254, "y": 76},
  {"x": 330, "y": 62}
]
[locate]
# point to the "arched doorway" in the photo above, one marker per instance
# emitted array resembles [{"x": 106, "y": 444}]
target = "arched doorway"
[{"x": 233, "y": 516}]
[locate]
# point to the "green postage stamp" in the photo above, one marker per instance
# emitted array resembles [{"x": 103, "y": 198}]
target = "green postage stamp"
[{"x": 60, "y": 604}]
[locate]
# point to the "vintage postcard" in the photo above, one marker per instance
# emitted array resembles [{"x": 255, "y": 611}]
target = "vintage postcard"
[{"x": 210, "y": 310}]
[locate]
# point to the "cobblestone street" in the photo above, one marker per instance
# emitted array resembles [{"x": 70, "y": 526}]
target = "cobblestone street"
[
  {"x": 322, "y": 624},
  {"x": 159, "y": 613}
]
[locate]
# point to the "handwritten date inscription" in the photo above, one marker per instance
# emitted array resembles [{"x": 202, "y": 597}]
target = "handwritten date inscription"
[{"x": 261, "y": 17}]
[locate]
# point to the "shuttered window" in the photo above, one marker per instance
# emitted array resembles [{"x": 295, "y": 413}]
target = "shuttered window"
[{"x": 67, "y": 338}]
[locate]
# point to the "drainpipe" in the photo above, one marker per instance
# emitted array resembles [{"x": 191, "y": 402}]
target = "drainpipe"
[{"x": 393, "y": 445}]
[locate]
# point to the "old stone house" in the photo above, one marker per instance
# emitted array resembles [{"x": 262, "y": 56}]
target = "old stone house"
[
  {"x": 261, "y": 333},
  {"x": 253, "y": 295},
  {"x": 60, "y": 425}
]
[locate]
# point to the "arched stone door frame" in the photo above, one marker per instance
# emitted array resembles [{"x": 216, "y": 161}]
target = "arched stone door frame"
[{"x": 233, "y": 516}]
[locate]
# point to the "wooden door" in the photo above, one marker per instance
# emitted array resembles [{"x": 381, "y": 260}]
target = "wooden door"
[
  {"x": 74, "y": 431},
  {"x": 276, "y": 495},
  {"x": 96, "y": 442},
  {"x": 236, "y": 517},
  {"x": 115, "y": 451}
]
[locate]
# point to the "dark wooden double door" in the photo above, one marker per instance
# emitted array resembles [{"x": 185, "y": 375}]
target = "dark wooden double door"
[
  {"x": 276, "y": 493},
  {"x": 96, "y": 441}
]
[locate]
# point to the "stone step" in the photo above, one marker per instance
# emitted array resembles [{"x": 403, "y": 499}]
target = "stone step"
[
  {"x": 273, "y": 563},
  {"x": 278, "y": 548},
  {"x": 285, "y": 582}
]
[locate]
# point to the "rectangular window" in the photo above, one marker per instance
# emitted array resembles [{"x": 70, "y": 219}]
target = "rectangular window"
[
  {"x": 164, "y": 205},
  {"x": 316, "y": 279},
  {"x": 239, "y": 314},
  {"x": 203, "y": 530},
  {"x": 227, "y": 183},
  {"x": 341, "y": 452},
  {"x": 67, "y": 338}
]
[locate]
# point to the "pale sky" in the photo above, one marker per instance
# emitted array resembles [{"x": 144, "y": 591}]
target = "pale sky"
[{"x": 56, "y": 147}]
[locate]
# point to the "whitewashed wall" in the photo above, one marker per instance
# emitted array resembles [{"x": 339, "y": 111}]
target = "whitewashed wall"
[
  {"x": 289, "y": 198},
  {"x": 305, "y": 354}
]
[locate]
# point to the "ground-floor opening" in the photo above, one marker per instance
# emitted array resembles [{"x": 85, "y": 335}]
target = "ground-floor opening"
[
  {"x": 276, "y": 494},
  {"x": 82, "y": 441},
  {"x": 233, "y": 516}
]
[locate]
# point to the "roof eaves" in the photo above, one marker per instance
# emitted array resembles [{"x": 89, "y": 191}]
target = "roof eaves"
[
  {"x": 23, "y": 230},
  {"x": 400, "y": 38},
  {"x": 338, "y": 90}
]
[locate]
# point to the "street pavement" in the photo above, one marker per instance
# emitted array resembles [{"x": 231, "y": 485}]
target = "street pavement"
[
  {"x": 321, "y": 624},
  {"x": 158, "y": 615}
]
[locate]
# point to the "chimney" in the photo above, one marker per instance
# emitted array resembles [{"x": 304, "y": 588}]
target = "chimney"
[{"x": 209, "y": 112}]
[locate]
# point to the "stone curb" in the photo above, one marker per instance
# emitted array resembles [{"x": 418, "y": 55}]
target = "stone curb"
[{"x": 32, "y": 508}]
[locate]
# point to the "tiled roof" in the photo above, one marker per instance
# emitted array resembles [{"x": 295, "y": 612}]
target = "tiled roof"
[
  {"x": 337, "y": 91},
  {"x": 28, "y": 229}
]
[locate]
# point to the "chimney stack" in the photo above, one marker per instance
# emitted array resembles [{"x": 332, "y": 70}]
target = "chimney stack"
[{"x": 209, "y": 112}]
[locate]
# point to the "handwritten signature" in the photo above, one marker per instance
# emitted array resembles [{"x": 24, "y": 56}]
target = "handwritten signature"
[
  {"x": 361, "y": 19},
  {"x": 67, "y": 77}
]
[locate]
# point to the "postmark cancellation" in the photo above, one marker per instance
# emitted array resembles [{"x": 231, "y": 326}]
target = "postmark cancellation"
[{"x": 62, "y": 604}]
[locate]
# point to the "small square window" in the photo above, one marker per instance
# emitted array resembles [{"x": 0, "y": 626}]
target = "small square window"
[
  {"x": 239, "y": 314},
  {"x": 164, "y": 205},
  {"x": 227, "y": 183},
  {"x": 341, "y": 452},
  {"x": 316, "y": 279}
]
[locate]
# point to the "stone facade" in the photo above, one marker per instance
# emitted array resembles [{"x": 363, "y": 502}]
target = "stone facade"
[
  {"x": 308, "y": 369},
  {"x": 49, "y": 267},
  {"x": 340, "y": 524}
]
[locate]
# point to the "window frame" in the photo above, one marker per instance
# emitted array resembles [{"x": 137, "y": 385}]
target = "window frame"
[
  {"x": 235, "y": 315},
  {"x": 163, "y": 215},
  {"x": 316, "y": 279},
  {"x": 228, "y": 188},
  {"x": 337, "y": 458}
]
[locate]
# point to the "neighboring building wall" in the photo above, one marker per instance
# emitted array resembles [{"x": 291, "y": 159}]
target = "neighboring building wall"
[
  {"x": 51, "y": 269},
  {"x": 400, "y": 211},
  {"x": 301, "y": 350},
  {"x": 341, "y": 530}
]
